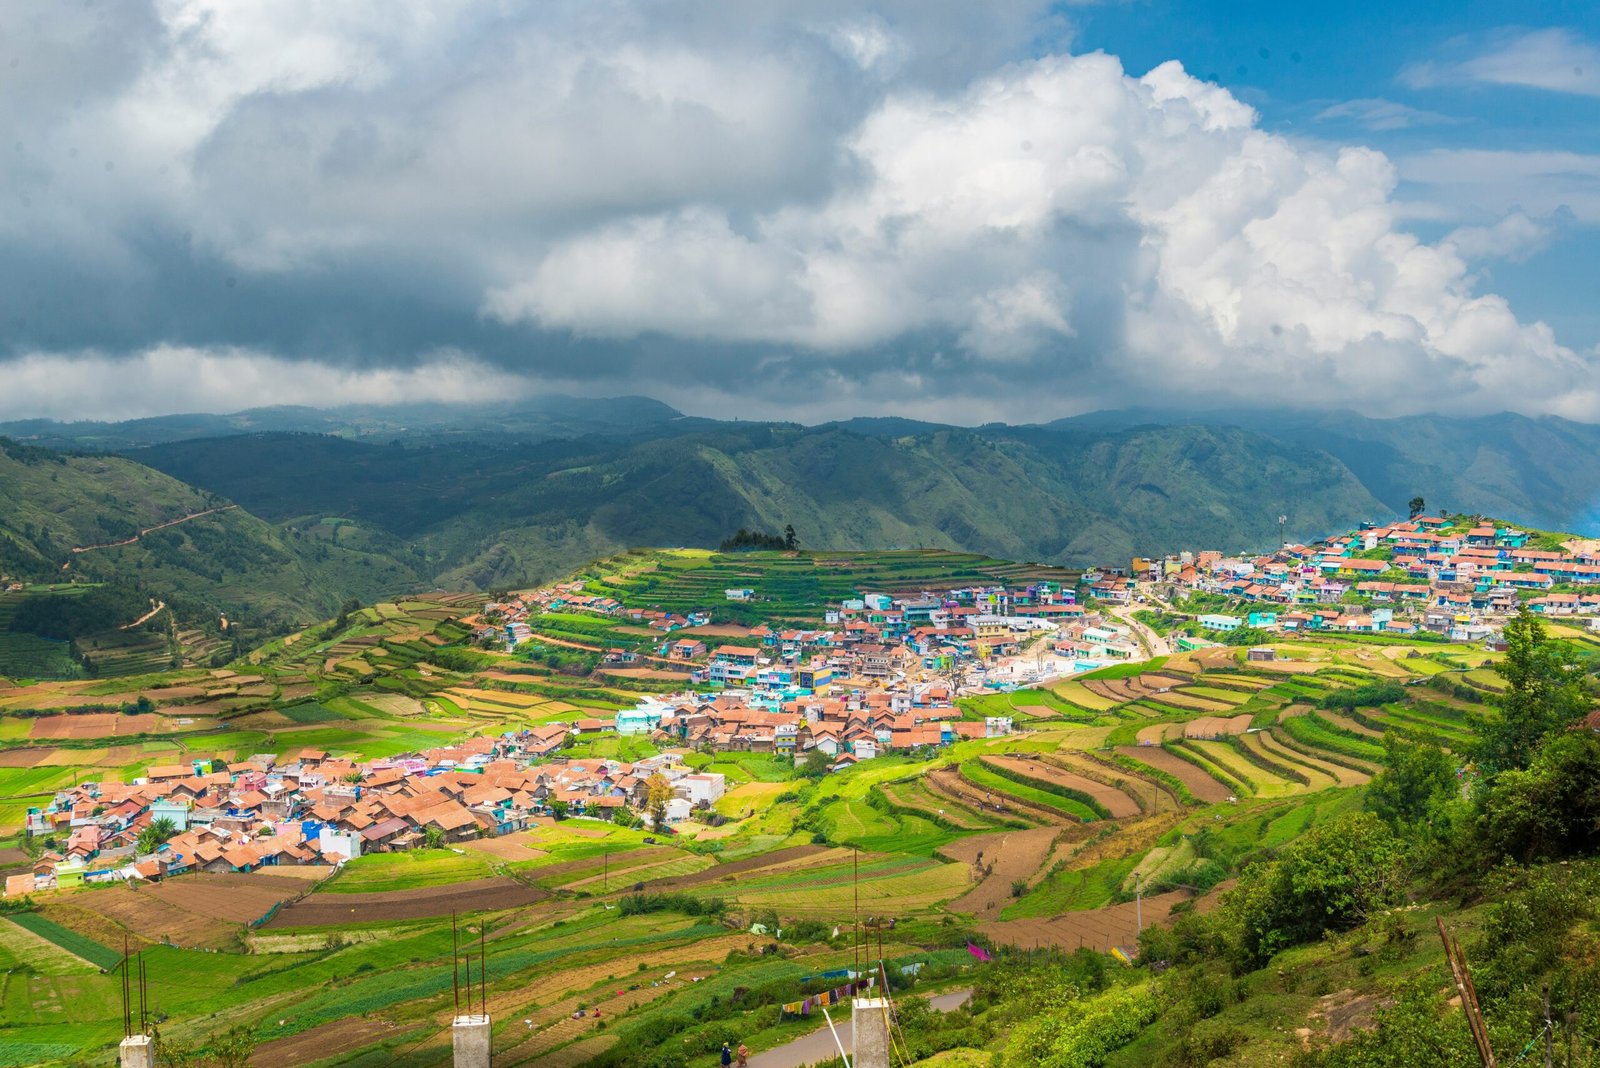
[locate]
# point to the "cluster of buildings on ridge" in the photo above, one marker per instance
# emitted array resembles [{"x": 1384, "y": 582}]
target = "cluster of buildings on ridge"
[
  {"x": 313, "y": 809},
  {"x": 1427, "y": 574}
]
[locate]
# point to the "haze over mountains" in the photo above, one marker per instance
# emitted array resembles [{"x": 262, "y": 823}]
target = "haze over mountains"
[{"x": 356, "y": 502}]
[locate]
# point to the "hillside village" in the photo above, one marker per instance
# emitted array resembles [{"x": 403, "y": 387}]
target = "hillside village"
[
  {"x": 879, "y": 673},
  {"x": 1457, "y": 578}
]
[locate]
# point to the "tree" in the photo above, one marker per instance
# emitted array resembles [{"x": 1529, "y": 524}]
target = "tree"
[
  {"x": 1415, "y": 777},
  {"x": 1549, "y": 811},
  {"x": 432, "y": 837},
  {"x": 157, "y": 831},
  {"x": 659, "y": 793},
  {"x": 1541, "y": 697},
  {"x": 1331, "y": 879},
  {"x": 1417, "y": 505},
  {"x": 559, "y": 808},
  {"x": 815, "y": 765},
  {"x": 790, "y": 542}
]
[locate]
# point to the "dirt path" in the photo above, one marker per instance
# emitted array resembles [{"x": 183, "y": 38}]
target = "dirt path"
[
  {"x": 148, "y": 530},
  {"x": 129, "y": 626},
  {"x": 1155, "y": 643}
]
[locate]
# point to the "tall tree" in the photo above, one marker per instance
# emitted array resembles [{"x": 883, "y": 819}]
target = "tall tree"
[
  {"x": 659, "y": 793},
  {"x": 1417, "y": 505},
  {"x": 1415, "y": 776},
  {"x": 1541, "y": 697},
  {"x": 790, "y": 542}
]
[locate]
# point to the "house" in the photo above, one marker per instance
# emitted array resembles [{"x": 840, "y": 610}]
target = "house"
[
  {"x": 686, "y": 649},
  {"x": 701, "y": 788}
]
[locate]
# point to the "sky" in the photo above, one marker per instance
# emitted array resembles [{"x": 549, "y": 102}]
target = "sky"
[{"x": 1012, "y": 211}]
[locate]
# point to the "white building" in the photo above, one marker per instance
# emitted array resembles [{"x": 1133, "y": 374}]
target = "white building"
[{"x": 701, "y": 786}]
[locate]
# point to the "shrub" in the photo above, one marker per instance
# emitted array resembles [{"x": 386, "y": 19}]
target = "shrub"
[{"x": 1331, "y": 879}]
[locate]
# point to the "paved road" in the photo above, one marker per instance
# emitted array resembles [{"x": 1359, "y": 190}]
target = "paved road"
[{"x": 818, "y": 1047}]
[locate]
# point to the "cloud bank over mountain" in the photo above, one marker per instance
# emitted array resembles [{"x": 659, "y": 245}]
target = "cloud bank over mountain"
[{"x": 769, "y": 208}]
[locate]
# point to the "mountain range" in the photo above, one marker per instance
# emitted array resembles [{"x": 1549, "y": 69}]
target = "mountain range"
[{"x": 359, "y": 502}]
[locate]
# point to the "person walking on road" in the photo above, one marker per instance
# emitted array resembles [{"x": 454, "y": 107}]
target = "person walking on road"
[
  {"x": 744, "y": 1055},
  {"x": 727, "y": 1055}
]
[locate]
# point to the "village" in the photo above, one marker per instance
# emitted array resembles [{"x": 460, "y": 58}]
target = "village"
[
  {"x": 883, "y": 673},
  {"x": 883, "y": 679},
  {"x": 1457, "y": 579}
]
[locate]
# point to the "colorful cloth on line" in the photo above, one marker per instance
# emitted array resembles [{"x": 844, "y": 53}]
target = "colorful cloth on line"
[
  {"x": 838, "y": 994},
  {"x": 978, "y": 951}
]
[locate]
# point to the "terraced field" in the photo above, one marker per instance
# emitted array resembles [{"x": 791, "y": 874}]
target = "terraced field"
[
  {"x": 1200, "y": 784},
  {"x": 1106, "y": 800}
]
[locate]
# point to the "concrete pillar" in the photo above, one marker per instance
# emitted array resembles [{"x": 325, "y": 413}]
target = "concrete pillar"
[
  {"x": 469, "y": 1037},
  {"x": 136, "y": 1051},
  {"x": 869, "y": 1021}
]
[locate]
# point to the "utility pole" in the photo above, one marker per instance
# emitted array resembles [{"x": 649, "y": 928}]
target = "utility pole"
[
  {"x": 1138, "y": 903},
  {"x": 1549, "y": 1031},
  {"x": 1469, "y": 996}
]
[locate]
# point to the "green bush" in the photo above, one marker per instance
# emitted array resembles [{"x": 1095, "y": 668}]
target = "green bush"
[{"x": 1331, "y": 879}]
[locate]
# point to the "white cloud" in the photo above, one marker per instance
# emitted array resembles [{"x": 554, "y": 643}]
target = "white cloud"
[
  {"x": 168, "y": 379},
  {"x": 1554, "y": 59},
  {"x": 1515, "y": 238},
  {"x": 1242, "y": 262},
  {"x": 1494, "y": 182},
  {"x": 872, "y": 207},
  {"x": 1375, "y": 113}
]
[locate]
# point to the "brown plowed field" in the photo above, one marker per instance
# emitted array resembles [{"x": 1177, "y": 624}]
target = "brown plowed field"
[
  {"x": 1199, "y": 783},
  {"x": 1151, "y": 796},
  {"x": 1099, "y": 929},
  {"x": 190, "y": 911},
  {"x": 947, "y": 783},
  {"x": 1114, "y": 801},
  {"x": 97, "y": 725},
  {"x": 1014, "y": 855},
  {"x": 1217, "y": 726},
  {"x": 479, "y": 895},
  {"x": 778, "y": 860},
  {"x": 319, "y": 1043}
]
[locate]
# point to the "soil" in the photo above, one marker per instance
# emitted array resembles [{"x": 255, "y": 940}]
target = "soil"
[
  {"x": 478, "y": 895},
  {"x": 1118, "y": 804},
  {"x": 1199, "y": 783},
  {"x": 1008, "y": 856}
]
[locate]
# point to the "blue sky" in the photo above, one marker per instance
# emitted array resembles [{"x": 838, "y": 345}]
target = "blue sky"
[{"x": 1302, "y": 64}]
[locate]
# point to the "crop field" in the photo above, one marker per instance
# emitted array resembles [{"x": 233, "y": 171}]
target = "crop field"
[
  {"x": 1198, "y": 782},
  {"x": 791, "y": 585},
  {"x": 1013, "y": 791},
  {"x": 1033, "y": 839},
  {"x": 378, "y": 872},
  {"x": 1103, "y": 800}
]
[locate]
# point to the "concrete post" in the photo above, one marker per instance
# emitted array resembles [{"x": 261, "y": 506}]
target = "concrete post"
[
  {"x": 870, "y": 1023},
  {"x": 136, "y": 1051},
  {"x": 469, "y": 1037}
]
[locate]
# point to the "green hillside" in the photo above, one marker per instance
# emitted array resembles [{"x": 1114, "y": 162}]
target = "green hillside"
[
  {"x": 497, "y": 512},
  {"x": 105, "y": 519}
]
